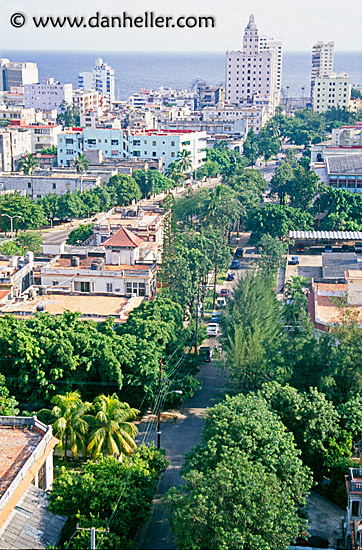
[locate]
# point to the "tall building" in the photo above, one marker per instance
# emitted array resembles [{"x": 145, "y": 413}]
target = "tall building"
[
  {"x": 17, "y": 74},
  {"x": 331, "y": 91},
  {"x": 253, "y": 75},
  {"x": 100, "y": 79},
  {"x": 322, "y": 61},
  {"x": 48, "y": 95}
]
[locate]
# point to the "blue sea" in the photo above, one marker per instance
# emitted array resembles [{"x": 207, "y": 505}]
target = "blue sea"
[{"x": 136, "y": 70}]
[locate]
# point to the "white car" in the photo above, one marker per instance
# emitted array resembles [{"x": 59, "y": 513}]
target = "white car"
[{"x": 213, "y": 329}]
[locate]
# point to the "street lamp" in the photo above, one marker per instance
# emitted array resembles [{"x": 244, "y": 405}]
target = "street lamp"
[
  {"x": 303, "y": 96},
  {"x": 180, "y": 392},
  {"x": 11, "y": 221}
]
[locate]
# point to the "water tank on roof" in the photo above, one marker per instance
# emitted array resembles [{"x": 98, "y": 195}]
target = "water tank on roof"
[
  {"x": 96, "y": 266},
  {"x": 42, "y": 290},
  {"x": 14, "y": 261},
  {"x": 74, "y": 262},
  {"x": 40, "y": 307}
]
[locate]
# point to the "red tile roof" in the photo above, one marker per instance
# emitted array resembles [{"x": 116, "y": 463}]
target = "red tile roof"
[{"x": 123, "y": 238}]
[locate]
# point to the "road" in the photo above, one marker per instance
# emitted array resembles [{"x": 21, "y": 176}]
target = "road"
[{"x": 178, "y": 437}]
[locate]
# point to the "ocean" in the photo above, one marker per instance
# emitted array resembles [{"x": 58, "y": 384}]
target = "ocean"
[{"x": 136, "y": 70}]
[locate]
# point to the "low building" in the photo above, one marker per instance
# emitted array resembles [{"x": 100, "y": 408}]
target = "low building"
[
  {"x": 43, "y": 136},
  {"x": 341, "y": 171},
  {"x": 146, "y": 222},
  {"x": 20, "y": 114},
  {"x": 87, "y": 100},
  {"x": 209, "y": 96},
  {"x": 15, "y": 143},
  {"x": 26, "y": 472},
  {"x": 37, "y": 186},
  {"x": 124, "y": 266}
]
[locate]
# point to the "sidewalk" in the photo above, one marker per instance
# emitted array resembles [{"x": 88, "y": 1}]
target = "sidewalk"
[{"x": 178, "y": 438}]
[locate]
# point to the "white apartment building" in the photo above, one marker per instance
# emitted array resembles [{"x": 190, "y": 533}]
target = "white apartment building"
[
  {"x": 331, "y": 91},
  {"x": 15, "y": 143},
  {"x": 89, "y": 100},
  {"x": 43, "y": 136},
  {"x": 347, "y": 136},
  {"x": 26, "y": 116},
  {"x": 254, "y": 71},
  {"x": 17, "y": 74},
  {"x": 48, "y": 95},
  {"x": 322, "y": 61},
  {"x": 255, "y": 116},
  {"x": 167, "y": 144},
  {"x": 101, "y": 78}
]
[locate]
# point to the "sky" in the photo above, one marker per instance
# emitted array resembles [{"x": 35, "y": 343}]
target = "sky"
[{"x": 300, "y": 23}]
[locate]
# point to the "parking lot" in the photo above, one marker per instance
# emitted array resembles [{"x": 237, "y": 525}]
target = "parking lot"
[{"x": 309, "y": 266}]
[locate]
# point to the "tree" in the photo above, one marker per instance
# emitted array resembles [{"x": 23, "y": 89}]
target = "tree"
[
  {"x": 184, "y": 161},
  {"x": 273, "y": 253},
  {"x": 126, "y": 189},
  {"x": 237, "y": 505},
  {"x": 30, "y": 241},
  {"x": 4, "y": 122},
  {"x": 9, "y": 248},
  {"x": 7, "y": 403},
  {"x": 70, "y": 206},
  {"x": 278, "y": 220},
  {"x": 79, "y": 235},
  {"x": 28, "y": 163},
  {"x": 53, "y": 150},
  {"x": 253, "y": 334},
  {"x": 208, "y": 170},
  {"x": 281, "y": 180},
  {"x": 50, "y": 206},
  {"x": 112, "y": 431},
  {"x": 81, "y": 164},
  {"x": 69, "y": 115},
  {"x": 31, "y": 214},
  {"x": 251, "y": 148},
  {"x": 217, "y": 506},
  {"x": 106, "y": 485},
  {"x": 69, "y": 424},
  {"x": 175, "y": 173},
  {"x": 152, "y": 182}
]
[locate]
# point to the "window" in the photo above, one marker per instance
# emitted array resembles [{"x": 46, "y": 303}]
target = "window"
[
  {"x": 54, "y": 283},
  {"x": 109, "y": 287},
  {"x": 82, "y": 286},
  {"x": 92, "y": 141},
  {"x": 154, "y": 144},
  {"x": 54, "y": 185},
  {"x": 136, "y": 288},
  {"x": 29, "y": 185},
  {"x": 114, "y": 142}
]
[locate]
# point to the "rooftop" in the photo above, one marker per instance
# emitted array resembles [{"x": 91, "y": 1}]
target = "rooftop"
[
  {"x": 19, "y": 437},
  {"x": 326, "y": 235},
  {"x": 345, "y": 164},
  {"x": 85, "y": 263},
  {"x": 123, "y": 238},
  {"x": 31, "y": 524},
  {"x": 96, "y": 307},
  {"x": 334, "y": 265}
]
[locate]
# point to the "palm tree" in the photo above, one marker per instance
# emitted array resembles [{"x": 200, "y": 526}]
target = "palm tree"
[
  {"x": 69, "y": 424},
  {"x": 28, "y": 163},
  {"x": 175, "y": 173},
  {"x": 81, "y": 165},
  {"x": 112, "y": 431},
  {"x": 184, "y": 161}
]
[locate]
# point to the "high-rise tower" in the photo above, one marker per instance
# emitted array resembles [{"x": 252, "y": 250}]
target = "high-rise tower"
[
  {"x": 253, "y": 75},
  {"x": 322, "y": 61}
]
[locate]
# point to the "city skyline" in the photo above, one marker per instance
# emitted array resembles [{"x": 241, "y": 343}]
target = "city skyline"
[{"x": 299, "y": 24}]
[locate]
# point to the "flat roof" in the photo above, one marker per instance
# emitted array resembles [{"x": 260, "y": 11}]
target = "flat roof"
[
  {"x": 56, "y": 304},
  {"x": 85, "y": 263},
  {"x": 17, "y": 443}
]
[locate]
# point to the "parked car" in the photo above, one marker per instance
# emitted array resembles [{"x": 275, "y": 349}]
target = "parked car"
[
  {"x": 212, "y": 329},
  {"x": 300, "y": 248},
  {"x": 345, "y": 248},
  {"x": 215, "y": 317},
  {"x": 328, "y": 248},
  {"x": 235, "y": 264},
  {"x": 230, "y": 276},
  {"x": 358, "y": 247},
  {"x": 221, "y": 301},
  {"x": 224, "y": 292},
  {"x": 294, "y": 260},
  {"x": 239, "y": 253},
  {"x": 206, "y": 353}
]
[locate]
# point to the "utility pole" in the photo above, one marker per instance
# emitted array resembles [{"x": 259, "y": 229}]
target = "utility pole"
[
  {"x": 197, "y": 319},
  {"x": 159, "y": 407},
  {"x": 92, "y": 532},
  {"x": 215, "y": 279}
]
